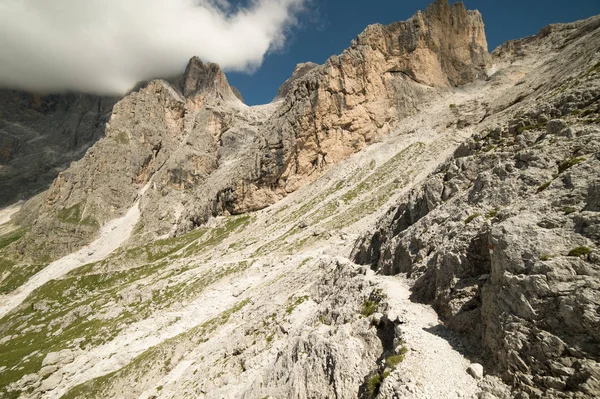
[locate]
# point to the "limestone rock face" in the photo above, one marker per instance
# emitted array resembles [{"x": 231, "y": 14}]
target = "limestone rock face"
[
  {"x": 446, "y": 44},
  {"x": 340, "y": 107},
  {"x": 204, "y": 153},
  {"x": 41, "y": 134}
]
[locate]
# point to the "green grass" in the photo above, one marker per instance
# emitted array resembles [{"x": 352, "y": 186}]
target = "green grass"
[
  {"x": 569, "y": 163},
  {"x": 296, "y": 303},
  {"x": 543, "y": 186},
  {"x": 394, "y": 360},
  {"x": 18, "y": 274},
  {"x": 11, "y": 237},
  {"x": 579, "y": 251},
  {"x": 62, "y": 296},
  {"x": 492, "y": 213},
  {"x": 368, "y": 308},
  {"x": 595, "y": 68},
  {"x": 545, "y": 257},
  {"x": 537, "y": 126},
  {"x": 74, "y": 215},
  {"x": 373, "y": 385},
  {"x": 217, "y": 235},
  {"x": 472, "y": 217},
  {"x": 154, "y": 362},
  {"x": 567, "y": 210}
]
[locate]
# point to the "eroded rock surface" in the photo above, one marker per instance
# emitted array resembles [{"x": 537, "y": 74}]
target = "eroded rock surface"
[{"x": 502, "y": 240}]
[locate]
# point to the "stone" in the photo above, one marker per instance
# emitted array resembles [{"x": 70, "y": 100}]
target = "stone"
[
  {"x": 475, "y": 370},
  {"x": 47, "y": 370},
  {"x": 51, "y": 382},
  {"x": 60, "y": 358},
  {"x": 555, "y": 126}
]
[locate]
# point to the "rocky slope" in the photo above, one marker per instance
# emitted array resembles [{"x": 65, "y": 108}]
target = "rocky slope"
[
  {"x": 400, "y": 154},
  {"x": 502, "y": 238}
]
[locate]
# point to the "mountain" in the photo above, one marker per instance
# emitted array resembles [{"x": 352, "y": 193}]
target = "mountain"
[{"x": 205, "y": 248}]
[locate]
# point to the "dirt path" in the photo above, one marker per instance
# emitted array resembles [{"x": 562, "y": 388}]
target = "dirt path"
[
  {"x": 112, "y": 235},
  {"x": 432, "y": 368}
]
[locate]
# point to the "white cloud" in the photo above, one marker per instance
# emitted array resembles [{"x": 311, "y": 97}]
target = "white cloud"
[{"x": 106, "y": 46}]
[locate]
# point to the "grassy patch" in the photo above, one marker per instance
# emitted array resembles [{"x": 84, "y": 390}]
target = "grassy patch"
[
  {"x": 472, "y": 217},
  {"x": 579, "y": 251},
  {"x": 296, "y": 303},
  {"x": 545, "y": 257},
  {"x": 147, "y": 363},
  {"x": 217, "y": 235},
  {"x": 368, "y": 308},
  {"x": 567, "y": 210},
  {"x": 569, "y": 163},
  {"x": 543, "y": 186},
  {"x": 74, "y": 215},
  {"x": 394, "y": 360},
  {"x": 11, "y": 237},
  {"x": 18, "y": 274},
  {"x": 492, "y": 213},
  {"x": 373, "y": 385},
  {"x": 537, "y": 126},
  {"x": 594, "y": 69}
]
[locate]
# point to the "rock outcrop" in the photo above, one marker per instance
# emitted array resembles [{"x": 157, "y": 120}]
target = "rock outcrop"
[{"x": 502, "y": 239}]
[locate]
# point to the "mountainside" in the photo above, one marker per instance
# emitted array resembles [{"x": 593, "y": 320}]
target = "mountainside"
[
  {"x": 204, "y": 248},
  {"x": 41, "y": 135}
]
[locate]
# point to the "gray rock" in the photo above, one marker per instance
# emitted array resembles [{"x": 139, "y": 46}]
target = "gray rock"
[
  {"x": 555, "y": 126},
  {"x": 47, "y": 370},
  {"x": 60, "y": 358},
  {"x": 475, "y": 370},
  {"x": 51, "y": 382}
]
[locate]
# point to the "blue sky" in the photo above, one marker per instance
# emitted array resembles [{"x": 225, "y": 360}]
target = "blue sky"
[{"x": 329, "y": 25}]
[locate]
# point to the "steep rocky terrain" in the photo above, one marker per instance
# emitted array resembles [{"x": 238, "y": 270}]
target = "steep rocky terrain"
[
  {"x": 40, "y": 135},
  {"x": 502, "y": 238},
  {"x": 205, "y": 248}
]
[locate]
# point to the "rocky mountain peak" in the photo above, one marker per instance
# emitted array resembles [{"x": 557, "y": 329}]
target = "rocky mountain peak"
[
  {"x": 443, "y": 46},
  {"x": 299, "y": 71},
  {"x": 205, "y": 78}
]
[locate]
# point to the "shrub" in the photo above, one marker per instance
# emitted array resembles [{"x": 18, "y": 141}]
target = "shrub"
[
  {"x": 373, "y": 385},
  {"x": 470, "y": 218},
  {"x": 579, "y": 251},
  {"x": 368, "y": 308},
  {"x": 563, "y": 166},
  {"x": 545, "y": 257},
  {"x": 452, "y": 106},
  {"x": 544, "y": 186}
]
